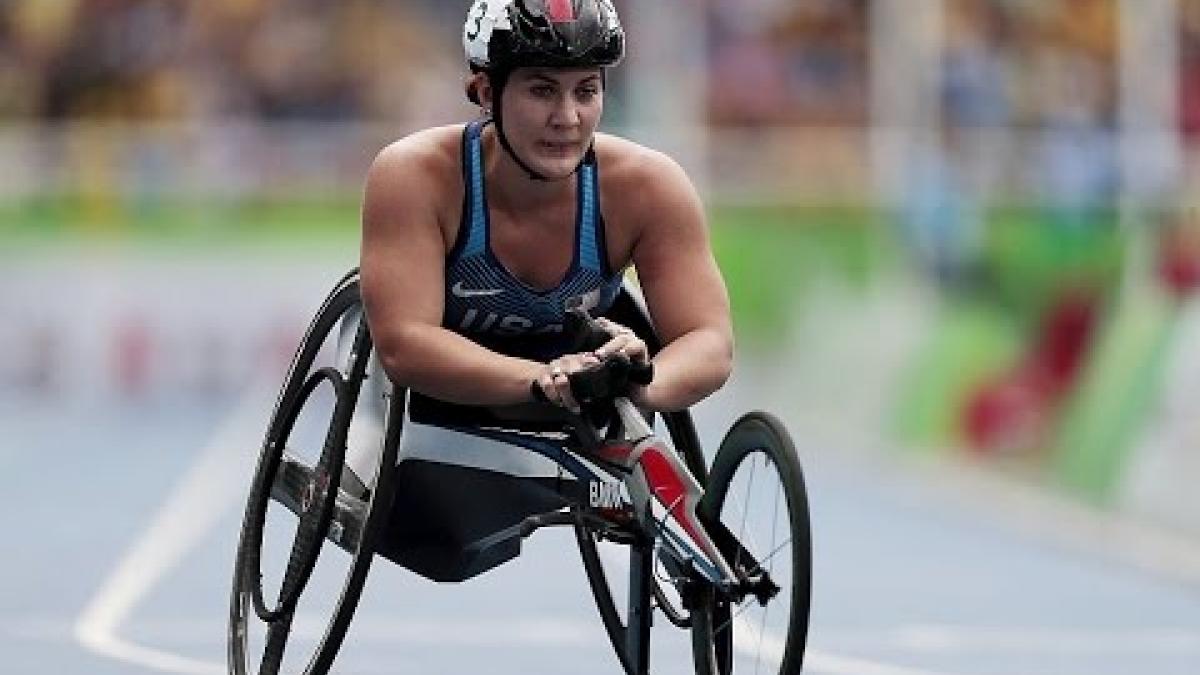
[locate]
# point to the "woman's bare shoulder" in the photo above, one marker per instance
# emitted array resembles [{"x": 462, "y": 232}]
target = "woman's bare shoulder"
[
  {"x": 622, "y": 155},
  {"x": 415, "y": 184},
  {"x": 630, "y": 168},
  {"x": 434, "y": 151}
]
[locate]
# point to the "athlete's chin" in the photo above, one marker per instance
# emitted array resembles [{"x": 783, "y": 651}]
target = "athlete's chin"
[
  {"x": 556, "y": 161},
  {"x": 557, "y": 168}
]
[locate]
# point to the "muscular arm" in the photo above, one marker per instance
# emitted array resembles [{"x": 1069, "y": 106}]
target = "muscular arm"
[
  {"x": 684, "y": 291},
  {"x": 403, "y": 267}
]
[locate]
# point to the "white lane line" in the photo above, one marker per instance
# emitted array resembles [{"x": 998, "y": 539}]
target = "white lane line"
[{"x": 196, "y": 504}]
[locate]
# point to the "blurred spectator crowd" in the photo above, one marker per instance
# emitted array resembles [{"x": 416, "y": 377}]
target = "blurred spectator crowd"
[
  {"x": 1018, "y": 62},
  {"x": 156, "y": 60},
  {"x": 788, "y": 62},
  {"x": 771, "y": 61},
  {"x": 1024, "y": 102}
]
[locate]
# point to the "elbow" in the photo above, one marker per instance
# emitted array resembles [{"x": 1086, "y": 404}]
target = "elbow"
[
  {"x": 722, "y": 367},
  {"x": 394, "y": 366},
  {"x": 394, "y": 352},
  {"x": 723, "y": 359}
]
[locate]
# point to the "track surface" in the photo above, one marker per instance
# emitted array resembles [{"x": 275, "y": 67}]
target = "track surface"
[{"x": 123, "y": 519}]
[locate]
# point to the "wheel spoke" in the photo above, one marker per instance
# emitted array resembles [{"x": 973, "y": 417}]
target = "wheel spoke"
[
  {"x": 773, "y": 645},
  {"x": 761, "y": 632},
  {"x": 745, "y": 513},
  {"x": 742, "y": 607},
  {"x": 774, "y": 526},
  {"x": 770, "y": 560}
]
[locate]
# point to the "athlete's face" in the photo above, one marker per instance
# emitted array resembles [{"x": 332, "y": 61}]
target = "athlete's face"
[{"x": 550, "y": 116}]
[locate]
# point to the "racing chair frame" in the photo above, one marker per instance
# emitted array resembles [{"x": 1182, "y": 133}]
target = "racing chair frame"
[{"x": 333, "y": 506}]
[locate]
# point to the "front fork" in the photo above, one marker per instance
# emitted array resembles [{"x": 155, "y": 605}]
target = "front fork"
[{"x": 662, "y": 486}]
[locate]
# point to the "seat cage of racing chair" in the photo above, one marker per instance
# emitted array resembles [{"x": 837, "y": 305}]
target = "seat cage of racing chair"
[{"x": 504, "y": 544}]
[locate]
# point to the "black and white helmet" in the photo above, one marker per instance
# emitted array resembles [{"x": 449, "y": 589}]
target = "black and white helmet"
[{"x": 508, "y": 34}]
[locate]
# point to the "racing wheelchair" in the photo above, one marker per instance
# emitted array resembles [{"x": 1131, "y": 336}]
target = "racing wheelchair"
[{"x": 723, "y": 551}]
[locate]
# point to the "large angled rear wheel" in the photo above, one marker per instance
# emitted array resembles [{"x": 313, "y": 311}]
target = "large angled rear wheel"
[{"x": 308, "y": 535}]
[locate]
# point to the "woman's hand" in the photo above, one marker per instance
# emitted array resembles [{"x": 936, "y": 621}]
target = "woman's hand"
[
  {"x": 554, "y": 380},
  {"x": 625, "y": 342},
  {"x": 622, "y": 341}
]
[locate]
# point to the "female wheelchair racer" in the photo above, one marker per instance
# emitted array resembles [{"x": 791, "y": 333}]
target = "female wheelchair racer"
[{"x": 749, "y": 614}]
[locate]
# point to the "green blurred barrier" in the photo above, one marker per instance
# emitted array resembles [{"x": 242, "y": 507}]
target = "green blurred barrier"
[
  {"x": 1124, "y": 375},
  {"x": 770, "y": 256},
  {"x": 970, "y": 343},
  {"x": 773, "y": 258}
]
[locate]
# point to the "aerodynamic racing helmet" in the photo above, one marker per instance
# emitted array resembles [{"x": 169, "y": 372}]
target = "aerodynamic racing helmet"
[
  {"x": 503, "y": 35},
  {"x": 500, "y": 35}
]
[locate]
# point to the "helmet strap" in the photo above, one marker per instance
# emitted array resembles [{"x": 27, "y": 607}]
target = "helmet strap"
[{"x": 497, "y": 119}]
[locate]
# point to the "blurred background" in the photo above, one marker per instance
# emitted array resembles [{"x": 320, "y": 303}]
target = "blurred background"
[{"x": 957, "y": 233}]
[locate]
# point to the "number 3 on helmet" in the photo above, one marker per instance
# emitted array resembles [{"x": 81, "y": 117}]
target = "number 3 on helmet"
[{"x": 508, "y": 34}]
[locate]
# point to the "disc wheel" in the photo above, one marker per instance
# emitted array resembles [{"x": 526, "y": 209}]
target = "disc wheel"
[
  {"x": 301, "y": 478},
  {"x": 756, "y": 508}
]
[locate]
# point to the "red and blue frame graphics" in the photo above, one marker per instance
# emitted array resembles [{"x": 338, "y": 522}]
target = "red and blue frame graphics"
[{"x": 443, "y": 509}]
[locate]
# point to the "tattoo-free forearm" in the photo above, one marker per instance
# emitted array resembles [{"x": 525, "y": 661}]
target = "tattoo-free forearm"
[
  {"x": 447, "y": 366},
  {"x": 688, "y": 369}
]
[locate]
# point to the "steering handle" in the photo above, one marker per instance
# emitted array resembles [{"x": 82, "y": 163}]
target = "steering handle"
[
  {"x": 590, "y": 336},
  {"x": 606, "y": 381}
]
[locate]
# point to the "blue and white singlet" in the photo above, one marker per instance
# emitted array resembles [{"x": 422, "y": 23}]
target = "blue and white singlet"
[
  {"x": 461, "y": 479},
  {"x": 488, "y": 304}
]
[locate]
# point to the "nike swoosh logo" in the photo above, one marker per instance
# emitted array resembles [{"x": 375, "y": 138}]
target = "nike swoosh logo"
[{"x": 458, "y": 290}]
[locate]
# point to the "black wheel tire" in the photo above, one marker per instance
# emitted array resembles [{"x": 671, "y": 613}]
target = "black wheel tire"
[
  {"x": 713, "y": 639},
  {"x": 246, "y": 592}
]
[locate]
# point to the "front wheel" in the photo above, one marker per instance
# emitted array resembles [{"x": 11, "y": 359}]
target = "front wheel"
[{"x": 755, "y": 492}]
